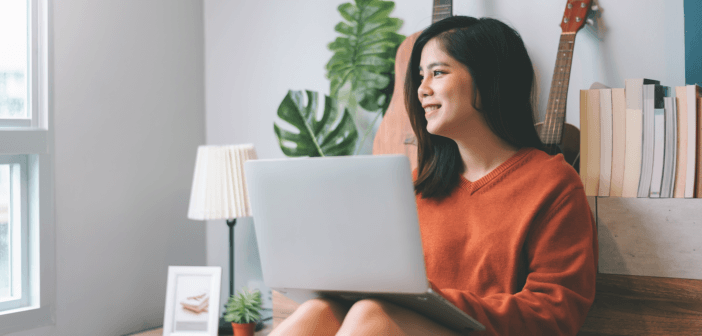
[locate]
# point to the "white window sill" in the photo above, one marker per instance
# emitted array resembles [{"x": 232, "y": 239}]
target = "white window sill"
[{"x": 24, "y": 319}]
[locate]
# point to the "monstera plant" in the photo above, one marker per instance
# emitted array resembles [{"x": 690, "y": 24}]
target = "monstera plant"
[
  {"x": 361, "y": 72},
  {"x": 314, "y": 137}
]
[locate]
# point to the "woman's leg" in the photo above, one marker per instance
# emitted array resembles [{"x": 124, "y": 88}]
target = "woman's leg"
[
  {"x": 313, "y": 317},
  {"x": 378, "y": 317}
]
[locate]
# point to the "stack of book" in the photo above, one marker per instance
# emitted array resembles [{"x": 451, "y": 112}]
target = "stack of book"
[{"x": 644, "y": 140}]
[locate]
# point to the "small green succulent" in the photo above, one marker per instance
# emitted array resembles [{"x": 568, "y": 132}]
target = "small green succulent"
[{"x": 244, "y": 307}]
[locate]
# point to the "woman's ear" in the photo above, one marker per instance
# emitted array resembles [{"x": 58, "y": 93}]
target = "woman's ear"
[{"x": 477, "y": 101}]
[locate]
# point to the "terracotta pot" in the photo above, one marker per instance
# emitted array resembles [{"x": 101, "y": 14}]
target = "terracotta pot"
[{"x": 246, "y": 329}]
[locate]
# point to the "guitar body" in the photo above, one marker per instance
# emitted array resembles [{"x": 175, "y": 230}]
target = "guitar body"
[
  {"x": 569, "y": 147},
  {"x": 395, "y": 134}
]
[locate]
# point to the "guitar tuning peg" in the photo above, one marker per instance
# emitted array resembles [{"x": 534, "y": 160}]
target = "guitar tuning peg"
[
  {"x": 590, "y": 22},
  {"x": 594, "y": 7}
]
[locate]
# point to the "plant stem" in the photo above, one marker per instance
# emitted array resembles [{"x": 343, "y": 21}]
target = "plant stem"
[{"x": 370, "y": 128}]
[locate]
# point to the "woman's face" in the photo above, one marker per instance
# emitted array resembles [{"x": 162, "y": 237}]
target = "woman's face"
[{"x": 446, "y": 93}]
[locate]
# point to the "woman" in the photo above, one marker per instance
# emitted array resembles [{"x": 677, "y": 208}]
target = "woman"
[{"x": 507, "y": 233}]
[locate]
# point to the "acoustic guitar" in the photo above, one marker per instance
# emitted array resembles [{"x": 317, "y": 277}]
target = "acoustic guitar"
[{"x": 395, "y": 135}]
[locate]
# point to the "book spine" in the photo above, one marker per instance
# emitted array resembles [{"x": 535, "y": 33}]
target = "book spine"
[
  {"x": 618, "y": 142},
  {"x": 584, "y": 132},
  {"x": 698, "y": 175},
  {"x": 632, "y": 165},
  {"x": 681, "y": 159},
  {"x": 658, "y": 150},
  {"x": 644, "y": 189},
  {"x": 691, "y": 140},
  {"x": 605, "y": 142},
  {"x": 669, "y": 155},
  {"x": 593, "y": 142}
]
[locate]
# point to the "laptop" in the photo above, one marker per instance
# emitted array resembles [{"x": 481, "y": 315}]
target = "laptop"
[{"x": 344, "y": 227}]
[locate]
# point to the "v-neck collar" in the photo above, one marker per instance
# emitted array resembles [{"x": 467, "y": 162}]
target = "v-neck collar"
[{"x": 472, "y": 187}]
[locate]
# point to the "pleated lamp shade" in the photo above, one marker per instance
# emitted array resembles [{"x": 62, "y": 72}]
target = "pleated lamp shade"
[{"x": 219, "y": 188}]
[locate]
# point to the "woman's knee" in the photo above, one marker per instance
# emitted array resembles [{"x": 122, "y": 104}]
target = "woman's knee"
[
  {"x": 370, "y": 311},
  {"x": 322, "y": 306},
  {"x": 314, "y": 317}
]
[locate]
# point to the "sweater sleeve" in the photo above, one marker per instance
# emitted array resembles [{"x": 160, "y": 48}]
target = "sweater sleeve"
[{"x": 561, "y": 256}]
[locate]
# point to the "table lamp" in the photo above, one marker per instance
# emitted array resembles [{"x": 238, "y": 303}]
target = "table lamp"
[{"x": 219, "y": 192}]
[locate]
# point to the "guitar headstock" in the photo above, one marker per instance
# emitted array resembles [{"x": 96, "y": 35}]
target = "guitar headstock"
[{"x": 575, "y": 14}]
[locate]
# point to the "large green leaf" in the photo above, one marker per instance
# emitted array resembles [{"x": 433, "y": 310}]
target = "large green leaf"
[
  {"x": 334, "y": 134},
  {"x": 361, "y": 69}
]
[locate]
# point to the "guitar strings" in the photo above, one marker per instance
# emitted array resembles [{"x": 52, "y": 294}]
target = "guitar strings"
[{"x": 552, "y": 132}]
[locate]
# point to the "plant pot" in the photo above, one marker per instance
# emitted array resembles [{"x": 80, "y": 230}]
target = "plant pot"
[{"x": 245, "y": 329}]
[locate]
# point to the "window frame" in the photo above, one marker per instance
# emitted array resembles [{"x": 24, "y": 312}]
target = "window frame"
[
  {"x": 20, "y": 238},
  {"x": 36, "y": 144}
]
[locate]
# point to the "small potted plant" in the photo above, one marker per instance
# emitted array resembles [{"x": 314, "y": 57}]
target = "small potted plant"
[{"x": 243, "y": 310}]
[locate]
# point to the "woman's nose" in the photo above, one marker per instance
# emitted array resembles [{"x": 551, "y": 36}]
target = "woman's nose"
[{"x": 424, "y": 89}]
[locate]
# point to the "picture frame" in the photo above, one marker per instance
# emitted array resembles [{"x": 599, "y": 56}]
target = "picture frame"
[{"x": 192, "y": 301}]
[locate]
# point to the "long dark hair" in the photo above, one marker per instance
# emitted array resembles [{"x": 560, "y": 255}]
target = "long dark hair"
[{"x": 503, "y": 76}]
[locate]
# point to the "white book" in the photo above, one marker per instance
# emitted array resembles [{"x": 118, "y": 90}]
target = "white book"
[
  {"x": 634, "y": 121},
  {"x": 632, "y": 164},
  {"x": 605, "y": 142},
  {"x": 692, "y": 94},
  {"x": 658, "y": 150},
  {"x": 669, "y": 154},
  {"x": 649, "y": 91}
]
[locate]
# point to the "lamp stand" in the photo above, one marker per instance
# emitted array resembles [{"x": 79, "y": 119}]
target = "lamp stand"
[{"x": 225, "y": 328}]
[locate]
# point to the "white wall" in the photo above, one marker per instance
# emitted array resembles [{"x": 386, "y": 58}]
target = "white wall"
[
  {"x": 257, "y": 50},
  {"x": 128, "y": 117}
]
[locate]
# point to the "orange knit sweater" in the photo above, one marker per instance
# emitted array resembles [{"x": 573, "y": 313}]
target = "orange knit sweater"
[{"x": 517, "y": 249}]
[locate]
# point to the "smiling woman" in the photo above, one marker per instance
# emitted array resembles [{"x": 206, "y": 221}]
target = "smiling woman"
[
  {"x": 483, "y": 73},
  {"x": 507, "y": 233}
]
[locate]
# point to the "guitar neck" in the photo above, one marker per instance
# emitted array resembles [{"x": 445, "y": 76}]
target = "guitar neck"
[
  {"x": 552, "y": 131},
  {"x": 441, "y": 10}
]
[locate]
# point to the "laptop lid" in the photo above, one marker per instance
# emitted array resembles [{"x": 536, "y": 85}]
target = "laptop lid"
[{"x": 337, "y": 224}]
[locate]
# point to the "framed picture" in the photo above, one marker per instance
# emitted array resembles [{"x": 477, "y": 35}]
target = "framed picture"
[{"x": 192, "y": 301}]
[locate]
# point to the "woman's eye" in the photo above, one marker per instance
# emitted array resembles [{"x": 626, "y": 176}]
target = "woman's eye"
[{"x": 437, "y": 72}]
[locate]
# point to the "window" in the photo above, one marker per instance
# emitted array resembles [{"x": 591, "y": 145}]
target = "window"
[
  {"x": 14, "y": 280},
  {"x": 27, "y": 271}
]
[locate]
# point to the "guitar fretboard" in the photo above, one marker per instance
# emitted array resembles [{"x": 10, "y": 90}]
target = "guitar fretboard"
[
  {"x": 442, "y": 10},
  {"x": 552, "y": 130}
]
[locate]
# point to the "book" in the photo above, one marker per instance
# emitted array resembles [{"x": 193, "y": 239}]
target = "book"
[
  {"x": 652, "y": 99},
  {"x": 592, "y": 165},
  {"x": 693, "y": 93},
  {"x": 698, "y": 179},
  {"x": 605, "y": 141},
  {"x": 681, "y": 158},
  {"x": 670, "y": 151},
  {"x": 634, "y": 129},
  {"x": 618, "y": 142},
  {"x": 585, "y": 174},
  {"x": 647, "y": 140},
  {"x": 658, "y": 150}
]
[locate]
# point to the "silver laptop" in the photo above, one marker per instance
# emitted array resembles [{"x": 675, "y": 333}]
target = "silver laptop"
[{"x": 344, "y": 227}]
